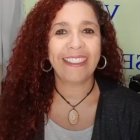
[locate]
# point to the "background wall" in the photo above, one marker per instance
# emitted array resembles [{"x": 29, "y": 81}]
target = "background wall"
[{"x": 11, "y": 17}]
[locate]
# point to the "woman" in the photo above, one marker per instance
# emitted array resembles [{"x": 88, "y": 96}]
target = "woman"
[{"x": 64, "y": 80}]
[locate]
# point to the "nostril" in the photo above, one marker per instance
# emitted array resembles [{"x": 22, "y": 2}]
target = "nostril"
[
  {"x": 76, "y": 44},
  {"x": 75, "y": 47}
]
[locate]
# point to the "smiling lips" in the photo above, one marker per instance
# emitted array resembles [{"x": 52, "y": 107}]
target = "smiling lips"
[{"x": 76, "y": 61}]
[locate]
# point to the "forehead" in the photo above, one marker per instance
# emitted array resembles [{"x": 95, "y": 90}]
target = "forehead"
[{"x": 74, "y": 12}]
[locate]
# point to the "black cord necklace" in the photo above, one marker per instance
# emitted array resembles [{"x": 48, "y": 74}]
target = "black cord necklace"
[{"x": 73, "y": 115}]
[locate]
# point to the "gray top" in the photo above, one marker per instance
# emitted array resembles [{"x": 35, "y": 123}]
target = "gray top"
[{"x": 55, "y": 132}]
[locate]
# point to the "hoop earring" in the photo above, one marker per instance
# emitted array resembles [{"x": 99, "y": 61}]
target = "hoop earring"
[
  {"x": 42, "y": 65},
  {"x": 105, "y": 63}
]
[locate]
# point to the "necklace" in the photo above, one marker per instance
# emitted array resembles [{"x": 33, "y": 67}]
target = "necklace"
[{"x": 73, "y": 115}]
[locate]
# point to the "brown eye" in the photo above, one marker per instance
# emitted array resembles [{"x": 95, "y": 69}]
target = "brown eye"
[
  {"x": 61, "y": 32},
  {"x": 88, "y": 31}
]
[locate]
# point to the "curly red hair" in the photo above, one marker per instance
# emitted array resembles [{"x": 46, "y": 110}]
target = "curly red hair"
[{"x": 26, "y": 89}]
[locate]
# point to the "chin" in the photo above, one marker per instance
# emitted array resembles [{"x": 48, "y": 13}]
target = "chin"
[{"x": 76, "y": 79}]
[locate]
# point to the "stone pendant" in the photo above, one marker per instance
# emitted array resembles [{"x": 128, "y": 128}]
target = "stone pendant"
[{"x": 73, "y": 116}]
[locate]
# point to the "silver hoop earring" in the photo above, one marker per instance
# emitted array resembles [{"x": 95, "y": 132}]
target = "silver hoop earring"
[
  {"x": 105, "y": 63},
  {"x": 43, "y": 65}
]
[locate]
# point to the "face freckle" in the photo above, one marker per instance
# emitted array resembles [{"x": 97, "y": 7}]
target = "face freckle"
[{"x": 74, "y": 42}]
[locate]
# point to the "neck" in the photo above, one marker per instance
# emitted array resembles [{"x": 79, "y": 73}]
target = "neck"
[{"x": 74, "y": 90}]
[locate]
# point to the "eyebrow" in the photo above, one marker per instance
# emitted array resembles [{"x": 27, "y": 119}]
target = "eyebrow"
[
  {"x": 87, "y": 22},
  {"x": 60, "y": 24},
  {"x": 84, "y": 22}
]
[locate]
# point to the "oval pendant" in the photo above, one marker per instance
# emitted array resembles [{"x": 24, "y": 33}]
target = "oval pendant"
[{"x": 73, "y": 117}]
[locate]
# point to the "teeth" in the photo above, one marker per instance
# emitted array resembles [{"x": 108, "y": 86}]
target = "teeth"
[{"x": 75, "y": 60}]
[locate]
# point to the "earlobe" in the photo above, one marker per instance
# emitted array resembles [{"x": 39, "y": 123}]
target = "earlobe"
[
  {"x": 105, "y": 63},
  {"x": 46, "y": 65}
]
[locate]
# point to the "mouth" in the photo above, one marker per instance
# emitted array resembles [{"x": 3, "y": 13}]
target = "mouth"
[{"x": 78, "y": 60}]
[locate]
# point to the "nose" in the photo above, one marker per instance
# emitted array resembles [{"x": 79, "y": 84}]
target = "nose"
[{"x": 76, "y": 41}]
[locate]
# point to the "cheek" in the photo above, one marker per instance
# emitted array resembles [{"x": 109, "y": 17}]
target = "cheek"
[
  {"x": 95, "y": 48},
  {"x": 54, "y": 52},
  {"x": 51, "y": 53},
  {"x": 52, "y": 47}
]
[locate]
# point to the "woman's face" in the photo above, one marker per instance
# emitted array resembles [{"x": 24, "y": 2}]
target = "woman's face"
[{"x": 74, "y": 42}]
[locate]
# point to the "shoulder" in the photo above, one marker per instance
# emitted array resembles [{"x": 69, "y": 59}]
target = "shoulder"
[
  {"x": 118, "y": 97},
  {"x": 123, "y": 94},
  {"x": 119, "y": 107},
  {"x": 121, "y": 100},
  {"x": 110, "y": 89}
]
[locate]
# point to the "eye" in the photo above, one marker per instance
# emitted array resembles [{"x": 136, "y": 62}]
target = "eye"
[
  {"x": 61, "y": 32},
  {"x": 88, "y": 31}
]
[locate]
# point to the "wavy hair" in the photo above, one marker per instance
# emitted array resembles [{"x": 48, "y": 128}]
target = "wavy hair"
[{"x": 26, "y": 89}]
